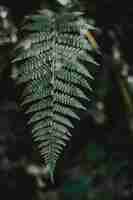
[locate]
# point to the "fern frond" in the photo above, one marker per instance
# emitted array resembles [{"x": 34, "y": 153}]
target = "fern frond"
[{"x": 53, "y": 66}]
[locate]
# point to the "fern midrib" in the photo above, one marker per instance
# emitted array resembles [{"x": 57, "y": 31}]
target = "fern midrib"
[{"x": 51, "y": 149}]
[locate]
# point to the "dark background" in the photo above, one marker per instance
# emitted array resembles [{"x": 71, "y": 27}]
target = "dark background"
[{"x": 98, "y": 160}]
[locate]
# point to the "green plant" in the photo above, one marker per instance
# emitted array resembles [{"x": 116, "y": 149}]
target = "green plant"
[{"x": 55, "y": 64}]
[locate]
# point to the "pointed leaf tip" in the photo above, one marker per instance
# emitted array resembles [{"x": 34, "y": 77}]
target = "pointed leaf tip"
[{"x": 50, "y": 172}]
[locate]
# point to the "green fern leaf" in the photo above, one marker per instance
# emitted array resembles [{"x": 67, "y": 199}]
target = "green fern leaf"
[{"x": 51, "y": 65}]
